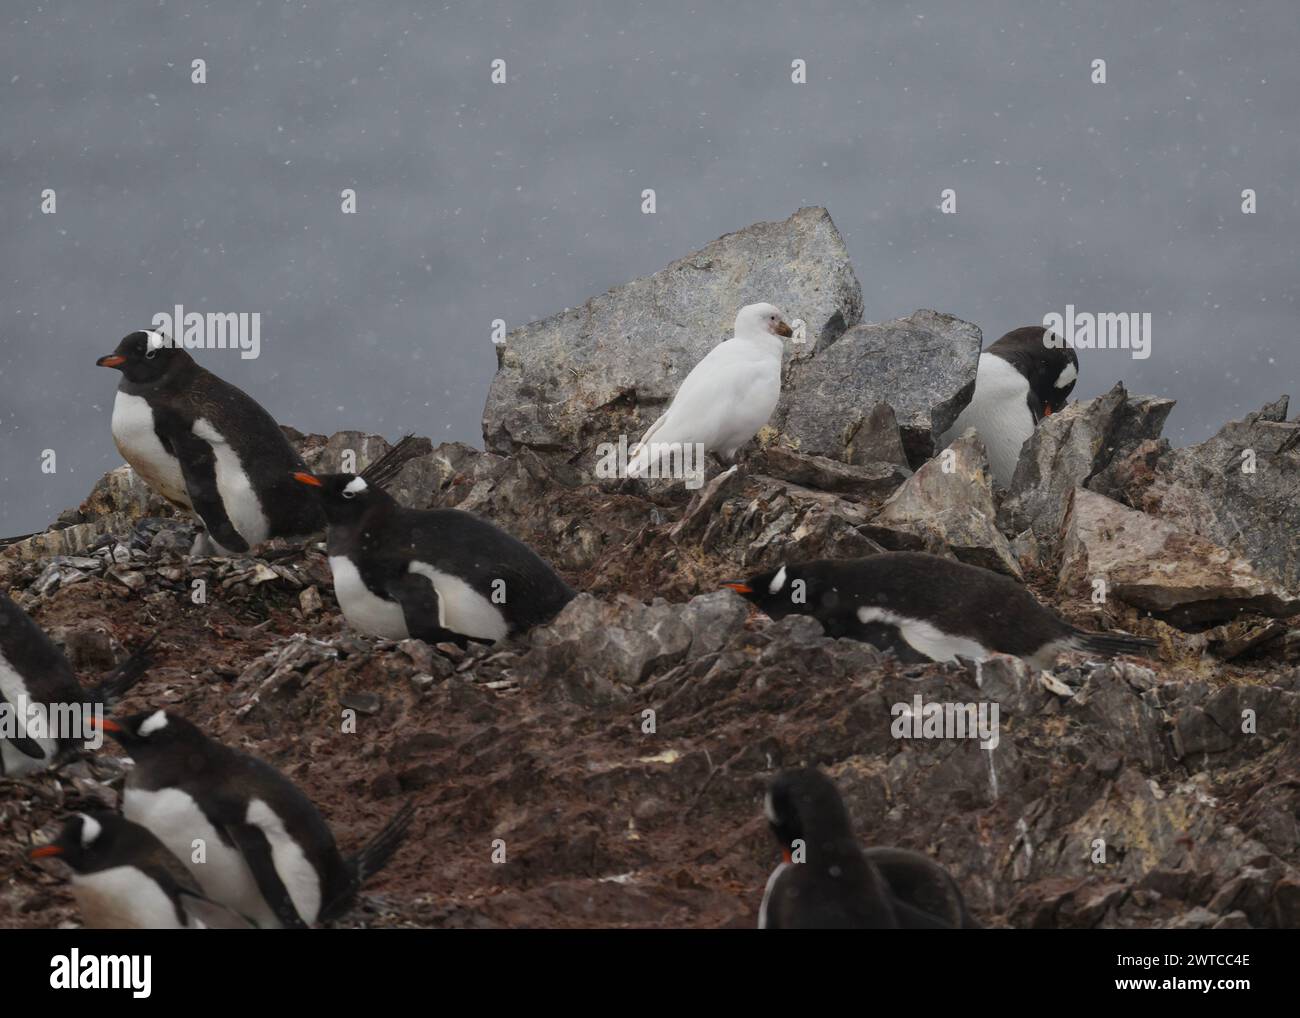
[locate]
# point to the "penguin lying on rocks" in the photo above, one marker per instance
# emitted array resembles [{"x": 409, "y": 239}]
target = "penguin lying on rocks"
[{"x": 432, "y": 574}]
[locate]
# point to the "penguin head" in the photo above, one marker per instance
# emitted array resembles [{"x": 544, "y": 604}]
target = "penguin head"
[
  {"x": 804, "y": 804},
  {"x": 85, "y": 839},
  {"x": 779, "y": 592},
  {"x": 151, "y": 731},
  {"x": 144, "y": 356},
  {"x": 1050, "y": 366},
  {"x": 344, "y": 498},
  {"x": 762, "y": 319}
]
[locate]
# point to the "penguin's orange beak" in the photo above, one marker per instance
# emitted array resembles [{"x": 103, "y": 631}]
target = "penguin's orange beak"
[
  {"x": 113, "y": 360},
  {"x": 738, "y": 587},
  {"x": 308, "y": 479},
  {"x": 45, "y": 852},
  {"x": 1047, "y": 409},
  {"x": 104, "y": 724}
]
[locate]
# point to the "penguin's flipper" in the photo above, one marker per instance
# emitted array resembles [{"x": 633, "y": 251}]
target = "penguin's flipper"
[
  {"x": 199, "y": 468},
  {"x": 912, "y": 918},
  {"x": 27, "y": 747},
  {"x": 884, "y": 637},
  {"x": 207, "y": 913},
  {"x": 422, "y": 609},
  {"x": 256, "y": 850}
]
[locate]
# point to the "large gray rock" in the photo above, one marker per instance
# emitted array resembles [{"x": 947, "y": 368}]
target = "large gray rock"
[
  {"x": 946, "y": 508},
  {"x": 1070, "y": 448},
  {"x": 923, "y": 366},
  {"x": 1208, "y": 490},
  {"x": 598, "y": 651},
  {"x": 608, "y": 368},
  {"x": 1153, "y": 565}
]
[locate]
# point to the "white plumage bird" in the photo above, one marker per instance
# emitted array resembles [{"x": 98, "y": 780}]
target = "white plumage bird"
[{"x": 726, "y": 398}]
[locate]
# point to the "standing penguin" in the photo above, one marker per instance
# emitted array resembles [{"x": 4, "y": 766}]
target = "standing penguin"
[
  {"x": 826, "y": 881},
  {"x": 1025, "y": 376},
  {"x": 727, "y": 397},
  {"x": 432, "y": 574},
  {"x": 125, "y": 879},
  {"x": 924, "y": 607},
  {"x": 34, "y": 672},
  {"x": 270, "y": 855},
  {"x": 206, "y": 446}
]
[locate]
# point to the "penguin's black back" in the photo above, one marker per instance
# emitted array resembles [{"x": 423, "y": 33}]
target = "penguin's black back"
[{"x": 959, "y": 599}]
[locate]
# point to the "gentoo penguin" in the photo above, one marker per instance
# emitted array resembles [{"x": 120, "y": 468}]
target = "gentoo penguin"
[
  {"x": 432, "y": 574},
  {"x": 268, "y": 853},
  {"x": 923, "y": 607},
  {"x": 728, "y": 396},
  {"x": 1019, "y": 381},
  {"x": 827, "y": 881},
  {"x": 206, "y": 446},
  {"x": 34, "y": 672},
  {"x": 125, "y": 879}
]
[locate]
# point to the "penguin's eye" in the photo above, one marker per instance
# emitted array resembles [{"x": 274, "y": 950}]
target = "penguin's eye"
[
  {"x": 150, "y": 354},
  {"x": 349, "y": 494}
]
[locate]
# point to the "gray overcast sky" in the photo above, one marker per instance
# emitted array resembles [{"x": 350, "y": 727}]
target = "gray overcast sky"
[{"x": 480, "y": 201}]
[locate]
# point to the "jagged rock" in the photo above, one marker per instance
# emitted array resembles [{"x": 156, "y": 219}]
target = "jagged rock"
[
  {"x": 588, "y": 375},
  {"x": 946, "y": 507},
  {"x": 923, "y": 366},
  {"x": 1068, "y": 449},
  {"x": 600, "y": 650},
  {"x": 771, "y": 522},
  {"x": 876, "y": 478},
  {"x": 877, "y": 440},
  {"x": 1153, "y": 565},
  {"x": 1208, "y": 490}
]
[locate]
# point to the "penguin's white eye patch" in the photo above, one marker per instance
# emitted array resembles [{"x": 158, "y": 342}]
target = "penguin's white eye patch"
[
  {"x": 1067, "y": 376},
  {"x": 769, "y": 807},
  {"x": 778, "y": 581},
  {"x": 154, "y": 722},
  {"x": 90, "y": 830},
  {"x": 355, "y": 487}
]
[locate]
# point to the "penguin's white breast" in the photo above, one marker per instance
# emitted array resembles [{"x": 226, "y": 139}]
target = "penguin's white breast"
[
  {"x": 364, "y": 610},
  {"x": 137, "y": 441},
  {"x": 999, "y": 411},
  {"x": 238, "y": 495},
  {"x": 925, "y": 637},
  {"x": 296, "y": 872},
  {"x": 123, "y": 898},
  {"x": 14, "y": 689},
  {"x": 176, "y": 820},
  {"x": 461, "y": 608},
  {"x": 767, "y": 893}
]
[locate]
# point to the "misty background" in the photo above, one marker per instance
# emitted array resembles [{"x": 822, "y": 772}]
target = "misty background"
[{"x": 479, "y": 201}]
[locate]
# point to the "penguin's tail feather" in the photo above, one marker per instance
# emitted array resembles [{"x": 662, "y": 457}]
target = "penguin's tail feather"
[
  {"x": 117, "y": 683},
  {"x": 1111, "y": 644},
  {"x": 377, "y": 852}
]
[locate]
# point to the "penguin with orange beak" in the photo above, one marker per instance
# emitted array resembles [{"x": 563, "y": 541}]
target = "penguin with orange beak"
[
  {"x": 124, "y": 878},
  {"x": 206, "y": 446}
]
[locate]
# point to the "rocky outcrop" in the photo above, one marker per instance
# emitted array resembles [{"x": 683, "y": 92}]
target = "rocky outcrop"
[
  {"x": 588, "y": 375},
  {"x": 620, "y": 753},
  {"x": 946, "y": 507},
  {"x": 1153, "y": 565},
  {"x": 1069, "y": 450},
  {"x": 923, "y": 366},
  {"x": 1240, "y": 489}
]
